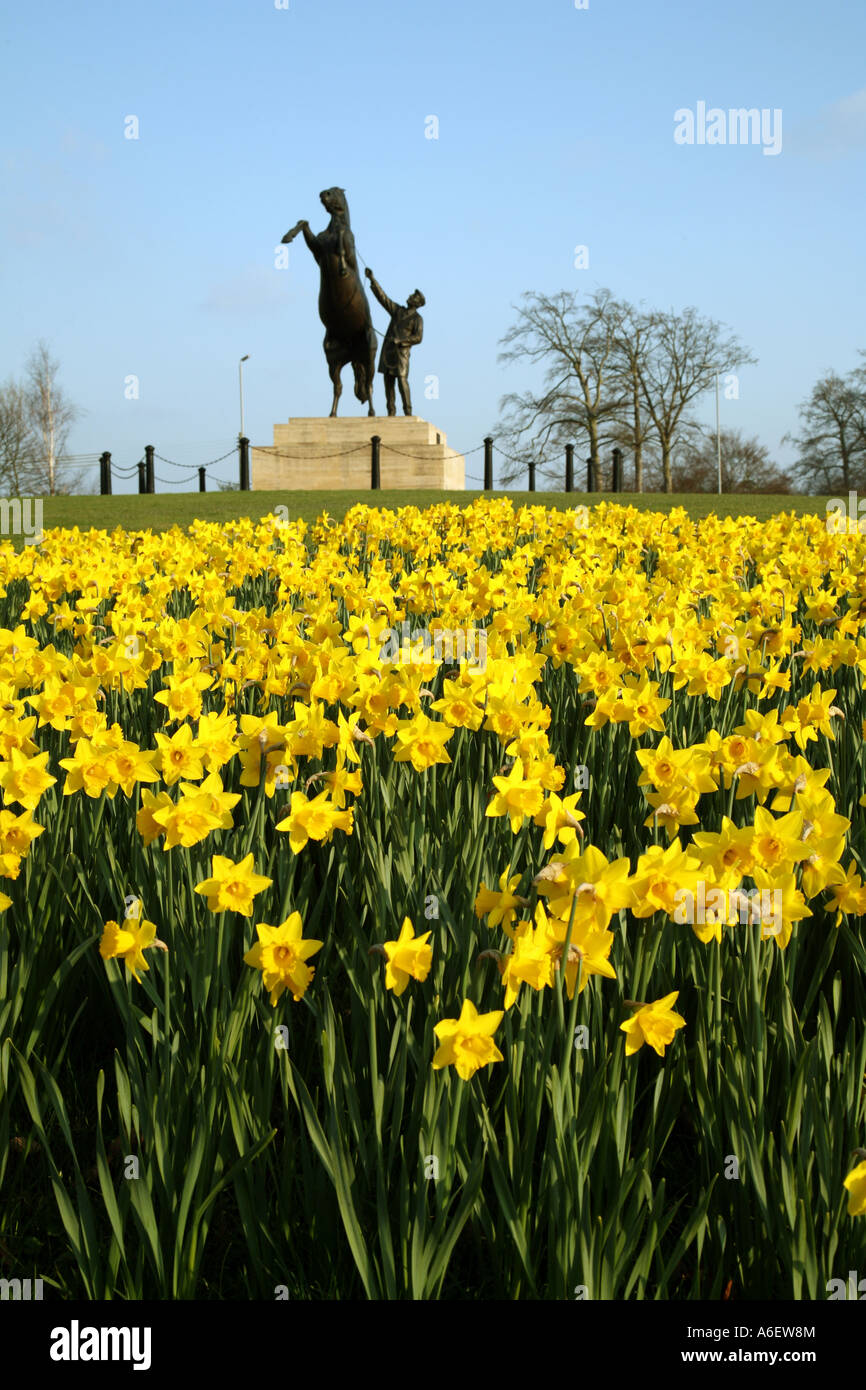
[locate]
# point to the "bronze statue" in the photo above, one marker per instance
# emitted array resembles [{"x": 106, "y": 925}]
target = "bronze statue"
[
  {"x": 404, "y": 331},
  {"x": 343, "y": 305}
]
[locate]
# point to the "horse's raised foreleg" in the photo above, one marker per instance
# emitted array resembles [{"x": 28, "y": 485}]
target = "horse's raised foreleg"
[
  {"x": 310, "y": 238},
  {"x": 290, "y": 236}
]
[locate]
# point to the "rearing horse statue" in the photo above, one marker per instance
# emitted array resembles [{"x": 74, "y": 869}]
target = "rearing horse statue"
[{"x": 343, "y": 306}]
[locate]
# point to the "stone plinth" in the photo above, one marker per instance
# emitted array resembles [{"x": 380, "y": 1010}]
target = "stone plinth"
[{"x": 312, "y": 452}]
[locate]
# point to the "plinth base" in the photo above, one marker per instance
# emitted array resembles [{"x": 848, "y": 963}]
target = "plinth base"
[{"x": 312, "y": 452}]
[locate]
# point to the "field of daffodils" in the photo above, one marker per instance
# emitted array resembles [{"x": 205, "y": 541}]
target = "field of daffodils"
[{"x": 460, "y": 904}]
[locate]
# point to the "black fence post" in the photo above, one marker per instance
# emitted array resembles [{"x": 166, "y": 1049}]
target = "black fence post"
[
  {"x": 375, "y": 472},
  {"x": 148, "y": 468},
  {"x": 532, "y": 476},
  {"x": 105, "y": 474},
  {"x": 201, "y": 475},
  {"x": 590, "y": 475},
  {"x": 488, "y": 463},
  {"x": 617, "y": 470},
  {"x": 569, "y": 468},
  {"x": 142, "y": 480},
  {"x": 244, "y": 451}
]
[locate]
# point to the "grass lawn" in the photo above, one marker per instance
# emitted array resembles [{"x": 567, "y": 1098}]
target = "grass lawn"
[{"x": 164, "y": 510}]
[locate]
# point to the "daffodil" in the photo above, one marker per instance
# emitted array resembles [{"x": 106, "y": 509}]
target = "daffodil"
[
  {"x": 811, "y": 716},
  {"x": 517, "y": 796},
  {"x": 17, "y": 833},
  {"x": 660, "y": 876},
  {"x": 182, "y": 698},
  {"x": 179, "y": 756},
  {"x": 653, "y": 1023},
  {"x": 130, "y": 941},
  {"x": 786, "y": 905},
  {"x": 24, "y": 779},
  {"x": 600, "y": 887},
  {"x": 232, "y": 887},
  {"x": 726, "y": 853},
  {"x": 855, "y": 1184},
  {"x": 500, "y": 908},
  {"x": 90, "y": 769},
  {"x": 777, "y": 841},
  {"x": 529, "y": 962},
  {"x": 149, "y": 828},
  {"x": 422, "y": 742},
  {"x": 188, "y": 820},
  {"x": 409, "y": 957},
  {"x": 848, "y": 893},
  {"x": 458, "y": 706},
  {"x": 281, "y": 954},
  {"x": 314, "y": 820},
  {"x": 467, "y": 1042},
  {"x": 589, "y": 948},
  {"x": 640, "y": 705},
  {"x": 560, "y": 819}
]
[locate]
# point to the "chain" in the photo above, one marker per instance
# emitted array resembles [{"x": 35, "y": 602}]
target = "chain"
[
  {"x": 173, "y": 464},
  {"x": 297, "y": 458},
  {"x": 318, "y": 458},
  {"x": 179, "y": 482},
  {"x": 392, "y": 450}
]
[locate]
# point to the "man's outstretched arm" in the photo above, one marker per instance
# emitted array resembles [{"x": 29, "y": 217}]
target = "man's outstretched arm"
[{"x": 387, "y": 304}]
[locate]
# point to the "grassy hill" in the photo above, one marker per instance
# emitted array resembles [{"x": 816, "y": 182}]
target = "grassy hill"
[{"x": 164, "y": 510}]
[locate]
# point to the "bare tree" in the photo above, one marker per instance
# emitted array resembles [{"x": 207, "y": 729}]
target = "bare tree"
[
  {"x": 577, "y": 345},
  {"x": 832, "y": 439},
  {"x": 19, "y": 443},
  {"x": 614, "y": 374},
  {"x": 51, "y": 415},
  {"x": 682, "y": 355},
  {"x": 746, "y": 466},
  {"x": 632, "y": 429}
]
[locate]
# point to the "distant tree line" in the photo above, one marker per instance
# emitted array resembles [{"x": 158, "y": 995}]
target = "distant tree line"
[
  {"x": 618, "y": 375},
  {"x": 613, "y": 375}
]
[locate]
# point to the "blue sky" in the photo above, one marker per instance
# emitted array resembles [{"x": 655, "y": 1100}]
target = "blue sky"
[{"x": 155, "y": 257}]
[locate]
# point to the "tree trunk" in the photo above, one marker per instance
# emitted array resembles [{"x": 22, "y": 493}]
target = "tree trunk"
[
  {"x": 592, "y": 430},
  {"x": 666, "y": 465},
  {"x": 846, "y": 460}
]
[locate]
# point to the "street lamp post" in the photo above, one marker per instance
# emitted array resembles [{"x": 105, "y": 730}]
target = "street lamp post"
[
  {"x": 245, "y": 358},
  {"x": 718, "y": 437}
]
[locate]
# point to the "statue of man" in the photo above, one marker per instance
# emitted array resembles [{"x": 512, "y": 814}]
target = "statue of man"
[{"x": 404, "y": 331}]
